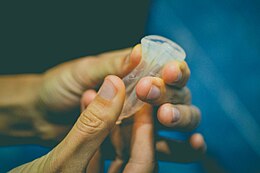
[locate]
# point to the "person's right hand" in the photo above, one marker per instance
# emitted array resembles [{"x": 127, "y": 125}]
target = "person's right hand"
[
  {"x": 93, "y": 125},
  {"x": 117, "y": 147},
  {"x": 175, "y": 112}
]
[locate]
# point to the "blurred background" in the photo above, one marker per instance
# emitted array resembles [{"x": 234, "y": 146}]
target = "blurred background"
[{"x": 221, "y": 39}]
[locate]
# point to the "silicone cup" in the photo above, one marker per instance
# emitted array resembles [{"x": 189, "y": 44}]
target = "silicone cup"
[{"x": 156, "y": 52}]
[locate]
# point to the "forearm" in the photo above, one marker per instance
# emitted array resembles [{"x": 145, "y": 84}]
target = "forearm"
[
  {"x": 17, "y": 95},
  {"x": 39, "y": 165}
]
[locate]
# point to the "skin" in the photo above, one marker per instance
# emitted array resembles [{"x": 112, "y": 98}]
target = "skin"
[
  {"x": 167, "y": 150},
  {"x": 172, "y": 85},
  {"x": 74, "y": 152},
  {"x": 41, "y": 108}
]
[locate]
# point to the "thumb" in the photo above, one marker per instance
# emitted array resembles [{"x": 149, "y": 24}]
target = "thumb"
[
  {"x": 119, "y": 63},
  {"x": 91, "y": 128}
]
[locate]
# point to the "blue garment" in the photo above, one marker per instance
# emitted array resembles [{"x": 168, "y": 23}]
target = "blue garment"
[
  {"x": 222, "y": 42},
  {"x": 11, "y": 157}
]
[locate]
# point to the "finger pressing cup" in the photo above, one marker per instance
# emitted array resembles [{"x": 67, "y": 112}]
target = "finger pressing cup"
[
  {"x": 155, "y": 91},
  {"x": 176, "y": 73},
  {"x": 156, "y": 52},
  {"x": 91, "y": 128}
]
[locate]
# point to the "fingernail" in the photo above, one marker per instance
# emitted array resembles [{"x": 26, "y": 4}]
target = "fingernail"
[
  {"x": 179, "y": 77},
  {"x": 176, "y": 115},
  {"x": 107, "y": 91},
  {"x": 154, "y": 93}
]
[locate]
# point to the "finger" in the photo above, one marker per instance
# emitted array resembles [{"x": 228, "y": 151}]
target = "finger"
[
  {"x": 92, "y": 127},
  {"x": 197, "y": 142},
  {"x": 176, "y": 73},
  {"x": 117, "y": 63},
  {"x": 116, "y": 166},
  {"x": 120, "y": 139},
  {"x": 87, "y": 97},
  {"x": 153, "y": 90},
  {"x": 142, "y": 157},
  {"x": 179, "y": 117},
  {"x": 181, "y": 151},
  {"x": 96, "y": 163}
]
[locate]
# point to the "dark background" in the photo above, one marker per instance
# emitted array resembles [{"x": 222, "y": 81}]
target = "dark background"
[{"x": 35, "y": 36}]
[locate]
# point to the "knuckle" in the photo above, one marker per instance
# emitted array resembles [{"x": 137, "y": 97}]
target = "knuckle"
[
  {"x": 186, "y": 95},
  {"x": 190, "y": 118},
  {"x": 174, "y": 98},
  {"x": 179, "y": 96},
  {"x": 82, "y": 76},
  {"x": 90, "y": 121},
  {"x": 194, "y": 117}
]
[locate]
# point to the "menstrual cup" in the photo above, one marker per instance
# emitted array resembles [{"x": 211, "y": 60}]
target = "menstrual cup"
[{"x": 156, "y": 52}]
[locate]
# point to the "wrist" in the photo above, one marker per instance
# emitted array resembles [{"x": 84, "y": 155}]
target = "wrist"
[
  {"x": 17, "y": 113},
  {"x": 40, "y": 165}
]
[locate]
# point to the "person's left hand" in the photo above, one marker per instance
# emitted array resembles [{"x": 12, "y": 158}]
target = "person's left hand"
[{"x": 57, "y": 97}]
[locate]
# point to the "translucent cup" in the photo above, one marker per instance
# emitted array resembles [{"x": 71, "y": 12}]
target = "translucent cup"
[{"x": 156, "y": 52}]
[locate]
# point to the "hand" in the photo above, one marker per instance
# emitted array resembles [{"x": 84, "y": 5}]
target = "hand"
[
  {"x": 118, "y": 147},
  {"x": 175, "y": 112},
  {"x": 136, "y": 139},
  {"x": 93, "y": 125},
  {"x": 61, "y": 88}
]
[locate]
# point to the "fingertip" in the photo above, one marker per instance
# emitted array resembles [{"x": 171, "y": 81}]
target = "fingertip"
[
  {"x": 105, "y": 109},
  {"x": 197, "y": 142},
  {"x": 117, "y": 82},
  {"x": 136, "y": 54},
  {"x": 87, "y": 97},
  {"x": 171, "y": 73},
  {"x": 151, "y": 90},
  {"x": 111, "y": 90},
  {"x": 164, "y": 115},
  {"x": 143, "y": 87},
  {"x": 137, "y": 50}
]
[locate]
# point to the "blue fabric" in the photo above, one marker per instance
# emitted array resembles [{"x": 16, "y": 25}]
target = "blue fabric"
[
  {"x": 11, "y": 157},
  {"x": 222, "y": 42}
]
